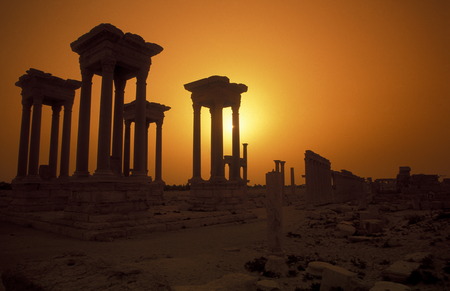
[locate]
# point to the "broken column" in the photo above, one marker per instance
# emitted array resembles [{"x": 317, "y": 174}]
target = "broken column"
[{"x": 274, "y": 203}]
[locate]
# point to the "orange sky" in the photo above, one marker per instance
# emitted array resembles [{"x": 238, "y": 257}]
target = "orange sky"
[{"x": 365, "y": 84}]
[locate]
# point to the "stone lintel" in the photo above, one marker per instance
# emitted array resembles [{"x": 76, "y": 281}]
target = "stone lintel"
[
  {"x": 53, "y": 90},
  {"x": 310, "y": 155},
  {"x": 216, "y": 90}
]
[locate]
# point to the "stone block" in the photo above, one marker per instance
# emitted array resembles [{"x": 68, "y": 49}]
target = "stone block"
[
  {"x": 268, "y": 285},
  {"x": 344, "y": 229},
  {"x": 277, "y": 264},
  {"x": 372, "y": 226},
  {"x": 316, "y": 268},
  {"x": 334, "y": 277},
  {"x": 391, "y": 286},
  {"x": 400, "y": 271}
]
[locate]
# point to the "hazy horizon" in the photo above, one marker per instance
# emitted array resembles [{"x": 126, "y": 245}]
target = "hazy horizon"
[{"x": 363, "y": 84}]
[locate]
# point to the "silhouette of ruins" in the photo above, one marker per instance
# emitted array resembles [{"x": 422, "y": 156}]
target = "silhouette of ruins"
[
  {"x": 216, "y": 93},
  {"x": 324, "y": 185}
]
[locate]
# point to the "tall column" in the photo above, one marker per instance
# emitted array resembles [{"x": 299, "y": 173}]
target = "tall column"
[
  {"x": 158, "y": 156},
  {"x": 217, "y": 166},
  {"x": 118, "y": 125},
  {"x": 196, "y": 163},
  {"x": 277, "y": 165},
  {"x": 24, "y": 139},
  {"x": 126, "y": 150},
  {"x": 84, "y": 121},
  {"x": 140, "y": 127},
  {"x": 104, "y": 126},
  {"x": 236, "y": 165},
  {"x": 33, "y": 166},
  {"x": 53, "y": 154},
  {"x": 244, "y": 172},
  {"x": 292, "y": 181},
  {"x": 65, "y": 144},
  {"x": 282, "y": 173},
  {"x": 146, "y": 146}
]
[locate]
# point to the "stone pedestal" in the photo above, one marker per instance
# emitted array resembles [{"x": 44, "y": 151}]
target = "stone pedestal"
[{"x": 214, "y": 196}]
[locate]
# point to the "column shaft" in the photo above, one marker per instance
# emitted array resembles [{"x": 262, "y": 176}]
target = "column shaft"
[
  {"x": 54, "y": 136},
  {"x": 118, "y": 126},
  {"x": 104, "y": 128},
  {"x": 33, "y": 166},
  {"x": 24, "y": 139},
  {"x": 196, "y": 171},
  {"x": 126, "y": 150},
  {"x": 84, "y": 121},
  {"x": 65, "y": 144},
  {"x": 158, "y": 156},
  {"x": 236, "y": 165},
  {"x": 244, "y": 171},
  {"x": 140, "y": 127},
  {"x": 217, "y": 166}
]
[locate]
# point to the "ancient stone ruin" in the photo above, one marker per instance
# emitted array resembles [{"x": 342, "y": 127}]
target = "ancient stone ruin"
[
  {"x": 324, "y": 186},
  {"x": 217, "y": 193}
]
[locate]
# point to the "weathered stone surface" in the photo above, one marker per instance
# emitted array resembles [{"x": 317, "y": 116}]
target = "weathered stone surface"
[
  {"x": 277, "y": 264},
  {"x": 268, "y": 285},
  {"x": 417, "y": 257},
  {"x": 316, "y": 268},
  {"x": 390, "y": 286},
  {"x": 334, "y": 277},
  {"x": 229, "y": 282},
  {"x": 400, "y": 271},
  {"x": 76, "y": 271},
  {"x": 372, "y": 226},
  {"x": 345, "y": 229}
]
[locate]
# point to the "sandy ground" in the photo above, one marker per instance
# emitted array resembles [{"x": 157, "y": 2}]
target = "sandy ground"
[{"x": 200, "y": 255}]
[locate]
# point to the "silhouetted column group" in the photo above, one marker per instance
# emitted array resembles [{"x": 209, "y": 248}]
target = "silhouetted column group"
[
  {"x": 216, "y": 93},
  {"x": 39, "y": 88}
]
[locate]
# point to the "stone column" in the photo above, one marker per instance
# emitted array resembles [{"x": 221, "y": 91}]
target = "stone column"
[
  {"x": 140, "y": 126},
  {"x": 84, "y": 121},
  {"x": 65, "y": 144},
  {"x": 244, "y": 171},
  {"x": 118, "y": 126},
  {"x": 146, "y": 146},
  {"x": 158, "y": 155},
  {"x": 33, "y": 165},
  {"x": 274, "y": 212},
  {"x": 104, "y": 126},
  {"x": 277, "y": 165},
  {"x": 292, "y": 181},
  {"x": 282, "y": 173},
  {"x": 196, "y": 163},
  {"x": 126, "y": 150},
  {"x": 217, "y": 166},
  {"x": 24, "y": 139},
  {"x": 53, "y": 154},
  {"x": 236, "y": 165}
]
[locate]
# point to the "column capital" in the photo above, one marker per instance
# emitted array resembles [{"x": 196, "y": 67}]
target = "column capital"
[
  {"x": 142, "y": 75},
  {"x": 68, "y": 105},
  {"x": 37, "y": 100},
  {"x": 196, "y": 106},
  {"x": 26, "y": 103},
  {"x": 119, "y": 84},
  {"x": 128, "y": 122},
  {"x": 86, "y": 73}
]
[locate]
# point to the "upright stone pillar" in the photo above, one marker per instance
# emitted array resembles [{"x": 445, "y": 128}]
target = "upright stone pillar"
[
  {"x": 65, "y": 144},
  {"x": 217, "y": 165},
  {"x": 158, "y": 156},
  {"x": 283, "y": 180},
  {"x": 292, "y": 181},
  {"x": 24, "y": 139},
  {"x": 196, "y": 162},
  {"x": 54, "y": 136},
  {"x": 84, "y": 122},
  {"x": 118, "y": 126},
  {"x": 236, "y": 165},
  {"x": 104, "y": 127},
  {"x": 33, "y": 166},
  {"x": 277, "y": 165},
  {"x": 244, "y": 171},
  {"x": 140, "y": 127},
  {"x": 274, "y": 208},
  {"x": 126, "y": 150}
]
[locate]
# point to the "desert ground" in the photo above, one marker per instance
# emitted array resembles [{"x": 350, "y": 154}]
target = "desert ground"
[{"x": 231, "y": 256}]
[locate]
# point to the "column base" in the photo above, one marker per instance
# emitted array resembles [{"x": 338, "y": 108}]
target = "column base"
[
  {"x": 104, "y": 173},
  {"x": 81, "y": 174}
]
